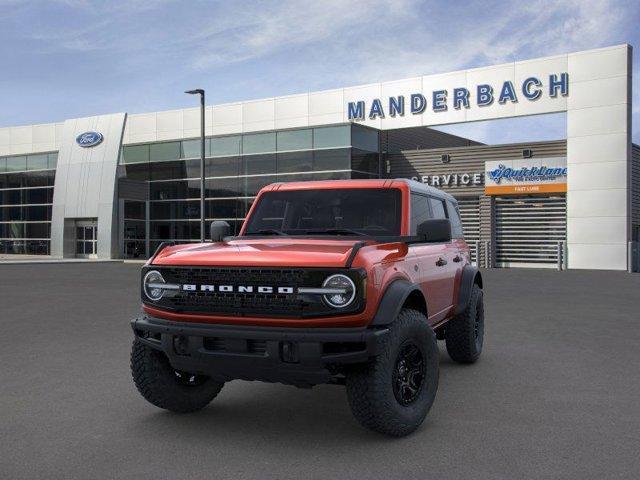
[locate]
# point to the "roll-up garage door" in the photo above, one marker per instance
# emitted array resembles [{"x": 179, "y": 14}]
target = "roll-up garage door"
[
  {"x": 470, "y": 215},
  {"x": 528, "y": 230}
]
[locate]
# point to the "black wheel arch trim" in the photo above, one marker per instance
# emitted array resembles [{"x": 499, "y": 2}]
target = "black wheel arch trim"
[
  {"x": 393, "y": 300},
  {"x": 470, "y": 276}
]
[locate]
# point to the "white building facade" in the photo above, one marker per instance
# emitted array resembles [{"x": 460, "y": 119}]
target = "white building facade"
[{"x": 66, "y": 195}]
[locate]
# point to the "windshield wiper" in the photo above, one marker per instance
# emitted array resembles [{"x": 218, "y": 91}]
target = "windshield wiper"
[
  {"x": 336, "y": 231},
  {"x": 267, "y": 231}
]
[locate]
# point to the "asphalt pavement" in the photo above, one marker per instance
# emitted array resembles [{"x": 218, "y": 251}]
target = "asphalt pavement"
[{"x": 556, "y": 393}]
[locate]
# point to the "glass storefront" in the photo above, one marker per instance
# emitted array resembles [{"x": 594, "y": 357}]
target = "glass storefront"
[
  {"x": 236, "y": 168},
  {"x": 26, "y": 196}
]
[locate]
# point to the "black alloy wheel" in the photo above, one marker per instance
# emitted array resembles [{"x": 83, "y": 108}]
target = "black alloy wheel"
[{"x": 408, "y": 373}]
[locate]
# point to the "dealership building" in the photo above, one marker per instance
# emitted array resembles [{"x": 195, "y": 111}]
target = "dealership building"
[{"x": 117, "y": 185}]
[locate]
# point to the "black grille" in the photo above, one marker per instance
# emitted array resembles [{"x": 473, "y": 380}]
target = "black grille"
[{"x": 250, "y": 304}]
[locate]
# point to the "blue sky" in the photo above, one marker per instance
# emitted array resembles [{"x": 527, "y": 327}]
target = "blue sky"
[{"x": 65, "y": 59}]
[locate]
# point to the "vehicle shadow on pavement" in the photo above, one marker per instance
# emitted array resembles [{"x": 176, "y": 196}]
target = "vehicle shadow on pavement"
[{"x": 274, "y": 411}]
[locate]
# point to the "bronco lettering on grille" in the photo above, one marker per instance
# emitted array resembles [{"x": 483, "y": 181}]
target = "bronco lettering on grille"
[{"x": 192, "y": 287}]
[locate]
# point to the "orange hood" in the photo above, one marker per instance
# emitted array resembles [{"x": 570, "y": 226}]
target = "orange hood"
[{"x": 276, "y": 252}]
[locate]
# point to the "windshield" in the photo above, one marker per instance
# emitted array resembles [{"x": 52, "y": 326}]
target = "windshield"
[{"x": 358, "y": 211}]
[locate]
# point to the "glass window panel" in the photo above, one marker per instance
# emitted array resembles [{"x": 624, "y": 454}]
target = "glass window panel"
[
  {"x": 134, "y": 249},
  {"x": 369, "y": 211},
  {"x": 134, "y": 229},
  {"x": 8, "y": 214},
  {"x": 52, "y": 160},
  {"x": 12, "y": 197},
  {"x": 295, "y": 162},
  {"x": 365, "y": 161},
  {"x": 169, "y": 170},
  {"x": 456, "y": 223},
  {"x": 37, "y": 213},
  {"x": 259, "y": 143},
  {"x": 162, "y": 152},
  {"x": 222, "y": 166},
  {"x": 222, "y": 187},
  {"x": 16, "y": 164},
  {"x": 364, "y": 139},
  {"x": 191, "y": 148},
  {"x": 38, "y": 162},
  {"x": 192, "y": 168},
  {"x": 419, "y": 211},
  {"x": 177, "y": 230},
  {"x": 329, "y": 176},
  {"x": 3, "y": 165},
  {"x": 134, "y": 209},
  {"x": 328, "y": 137},
  {"x": 135, "y": 154},
  {"x": 16, "y": 247},
  {"x": 38, "y": 247},
  {"x": 38, "y": 230},
  {"x": 14, "y": 180},
  {"x": 161, "y": 230},
  {"x": 258, "y": 164},
  {"x": 38, "y": 179},
  {"x": 437, "y": 208},
  {"x": 250, "y": 186},
  {"x": 332, "y": 159},
  {"x": 225, "y": 146},
  {"x": 175, "y": 190},
  {"x": 295, "y": 140},
  {"x": 362, "y": 175},
  {"x": 38, "y": 195},
  {"x": 224, "y": 209},
  {"x": 14, "y": 230},
  {"x": 140, "y": 171},
  {"x": 174, "y": 210}
]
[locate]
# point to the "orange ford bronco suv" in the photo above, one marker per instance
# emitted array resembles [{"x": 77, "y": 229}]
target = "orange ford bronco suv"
[{"x": 348, "y": 282}]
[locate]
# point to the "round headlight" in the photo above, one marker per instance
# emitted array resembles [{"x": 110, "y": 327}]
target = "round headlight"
[
  {"x": 150, "y": 285},
  {"x": 345, "y": 291}
]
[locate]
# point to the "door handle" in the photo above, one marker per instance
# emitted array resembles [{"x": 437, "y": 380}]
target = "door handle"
[
  {"x": 457, "y": 258},
  {"x": 441, "y": 262}
]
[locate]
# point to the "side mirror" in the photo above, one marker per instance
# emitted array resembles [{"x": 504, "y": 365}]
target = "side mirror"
[
  {"x": 218, "y": 230},
  {"x": 435, "y": 230}
]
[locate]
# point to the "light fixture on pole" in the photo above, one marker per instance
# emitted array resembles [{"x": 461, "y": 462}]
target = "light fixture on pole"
[{"x": 200, "y": 91}]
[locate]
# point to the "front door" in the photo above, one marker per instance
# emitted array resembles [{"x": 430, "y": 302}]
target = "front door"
[{"x": 87, "y": 239}]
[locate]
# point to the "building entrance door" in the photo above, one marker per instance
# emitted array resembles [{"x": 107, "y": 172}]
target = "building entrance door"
[{"x": 87, "y": 239}]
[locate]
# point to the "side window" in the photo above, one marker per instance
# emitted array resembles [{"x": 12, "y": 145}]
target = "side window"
[
  {"x": 456, "y": 223},
  {"x": 437, "y": 207},
  {"x": 419, "y": 211}
]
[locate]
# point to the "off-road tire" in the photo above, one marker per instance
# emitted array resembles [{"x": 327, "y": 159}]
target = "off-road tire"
[
  {"x": 157, "y": 382},
  {"x": 370, "y": 387},
  {"x": 464, "y": 334}
]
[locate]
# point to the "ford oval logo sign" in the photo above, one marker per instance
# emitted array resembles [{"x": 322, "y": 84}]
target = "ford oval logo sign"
[{"x": 89, "y": 139}]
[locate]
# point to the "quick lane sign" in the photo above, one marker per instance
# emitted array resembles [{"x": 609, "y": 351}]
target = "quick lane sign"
[
  {"x": 482, "y": 95},
  {"x": 512, "y": 177}
]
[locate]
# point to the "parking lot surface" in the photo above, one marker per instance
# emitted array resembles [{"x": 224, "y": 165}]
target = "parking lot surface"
[{"x": 556, "y": 393}]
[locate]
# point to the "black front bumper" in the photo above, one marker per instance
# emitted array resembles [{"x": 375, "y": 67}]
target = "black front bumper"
[{"x": 297, "y": 356}]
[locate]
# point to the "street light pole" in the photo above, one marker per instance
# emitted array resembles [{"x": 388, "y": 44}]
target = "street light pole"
[{"x": 200, "y": 91}]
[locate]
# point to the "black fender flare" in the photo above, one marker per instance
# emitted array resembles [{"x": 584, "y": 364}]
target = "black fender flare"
[
  {"x": 392, "y": 301},
  {"x": 470, "y": 276}
]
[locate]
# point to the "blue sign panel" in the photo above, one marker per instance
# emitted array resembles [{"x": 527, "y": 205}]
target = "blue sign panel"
[{"x": 89, "y": 139}]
